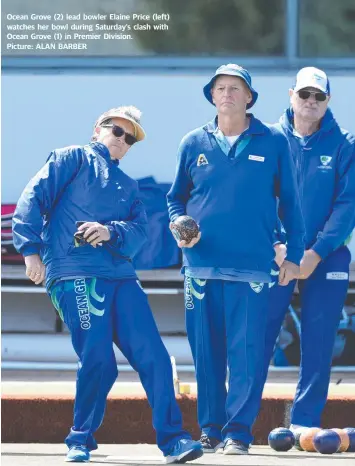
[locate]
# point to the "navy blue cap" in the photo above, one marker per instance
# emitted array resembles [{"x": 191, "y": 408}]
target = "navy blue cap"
[{"x": 231, "y": 70}]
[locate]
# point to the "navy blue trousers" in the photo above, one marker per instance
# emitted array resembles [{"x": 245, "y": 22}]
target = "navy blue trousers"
[
  {"x": 226, "y": 322},
  {"x": 322, "y": 298},
  {"x": 100, "y": 313}
]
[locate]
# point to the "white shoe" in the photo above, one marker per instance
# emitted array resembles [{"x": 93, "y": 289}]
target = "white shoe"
[
  {"x": 294, "y": 427},
  {"x": 235, "y": 447}
]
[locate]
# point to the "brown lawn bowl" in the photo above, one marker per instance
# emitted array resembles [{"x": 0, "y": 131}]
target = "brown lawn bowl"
[
  {"x": 345, "y": 440},
  {"x": 306, "y": 439},
  {"x": 297, "y": 434},
  {"x": 184, "y": 228}
]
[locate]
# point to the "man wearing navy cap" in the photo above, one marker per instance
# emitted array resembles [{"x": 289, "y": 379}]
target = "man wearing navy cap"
[
  {"x": 229, "y": 174},
  {"x": 324, "y": 156}
]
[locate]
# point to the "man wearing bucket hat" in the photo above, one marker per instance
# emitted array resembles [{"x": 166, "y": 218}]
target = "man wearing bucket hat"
[
  {"x": 324, "y": 156},
  {"x": 91, "y": 280},
  {"x": 229, "y": 173}
]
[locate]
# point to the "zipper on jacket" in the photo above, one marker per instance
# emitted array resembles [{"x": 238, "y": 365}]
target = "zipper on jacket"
[{"x": 300, "y": 167}]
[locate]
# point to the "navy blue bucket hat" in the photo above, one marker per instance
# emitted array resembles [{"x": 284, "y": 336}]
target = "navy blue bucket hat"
[{"x": 231, "y": 70}]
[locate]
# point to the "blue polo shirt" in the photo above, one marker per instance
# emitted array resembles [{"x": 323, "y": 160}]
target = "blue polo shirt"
[{"x": 233, "y": 199}]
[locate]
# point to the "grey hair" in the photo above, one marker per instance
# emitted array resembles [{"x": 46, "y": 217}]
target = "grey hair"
[{"x": 129, "y": 110}]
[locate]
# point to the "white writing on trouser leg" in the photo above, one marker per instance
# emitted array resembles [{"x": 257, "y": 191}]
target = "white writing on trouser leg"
[
  {"x": 191, "y": 292},
  {"x": 189, "y": 303},
  {"x": 82, "y": 303}
]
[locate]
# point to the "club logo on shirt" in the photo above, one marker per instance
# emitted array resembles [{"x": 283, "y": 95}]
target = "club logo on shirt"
[
  {"x": 256, "y": 286},
  {"x": 325, "y": 159},
  {"x": 202, "y": 160},
  {"x": 256, "y": 158}
]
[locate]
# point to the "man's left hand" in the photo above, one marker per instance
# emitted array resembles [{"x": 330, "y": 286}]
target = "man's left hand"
[
  {"x": 309, "y": 263},
  {"x": 94, "y": 233}
]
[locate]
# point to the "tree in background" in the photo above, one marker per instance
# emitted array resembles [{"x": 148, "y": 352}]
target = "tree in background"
[
  {"x": 327, "y": 28},
  {"x": 213, "y": 27}
]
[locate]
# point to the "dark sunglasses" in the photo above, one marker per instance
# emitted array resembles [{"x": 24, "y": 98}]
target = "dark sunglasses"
[
  {"x": 117, "y": 131},
  {"x": 319, "y": 96}
]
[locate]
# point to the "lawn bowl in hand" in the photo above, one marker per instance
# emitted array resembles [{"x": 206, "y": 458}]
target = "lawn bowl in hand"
[{"x": 184, "y": 228}]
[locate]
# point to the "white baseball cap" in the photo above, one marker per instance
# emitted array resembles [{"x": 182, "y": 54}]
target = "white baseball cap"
[{"x": 312, "y": 77}]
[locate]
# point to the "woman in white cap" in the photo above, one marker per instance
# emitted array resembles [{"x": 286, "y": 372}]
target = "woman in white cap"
[{"x": 78, "y": 223}]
